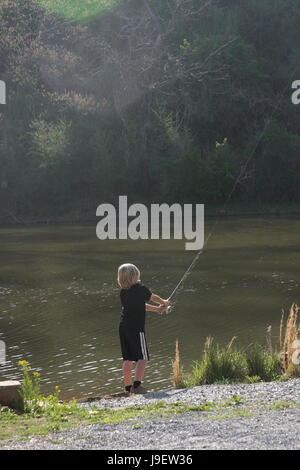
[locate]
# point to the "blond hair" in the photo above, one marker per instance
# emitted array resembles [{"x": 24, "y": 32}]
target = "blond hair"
[{"x": 128, "y": 275}]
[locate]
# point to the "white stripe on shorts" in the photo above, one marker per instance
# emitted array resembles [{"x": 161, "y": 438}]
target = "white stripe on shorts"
[{"x": 143, "y": 346}]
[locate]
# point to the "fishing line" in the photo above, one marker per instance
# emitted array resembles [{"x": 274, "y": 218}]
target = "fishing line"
[{"x": 237, "y": 181}]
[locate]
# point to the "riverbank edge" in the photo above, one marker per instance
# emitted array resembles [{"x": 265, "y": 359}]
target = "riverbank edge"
[
  {"x": 215, "y": 401},
  {"x": 11, "y": 220}
]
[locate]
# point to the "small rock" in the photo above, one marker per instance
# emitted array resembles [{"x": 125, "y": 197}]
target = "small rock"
[{"x": 10, "y": 394}]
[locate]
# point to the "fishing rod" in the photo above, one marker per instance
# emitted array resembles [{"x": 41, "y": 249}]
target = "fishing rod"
[
  {"x": 199, "y": 253},
  {"x": 241, "y": 174}
]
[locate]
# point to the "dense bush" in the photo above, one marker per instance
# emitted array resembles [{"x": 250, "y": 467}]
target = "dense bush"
[{"x": 162, "y": 101}]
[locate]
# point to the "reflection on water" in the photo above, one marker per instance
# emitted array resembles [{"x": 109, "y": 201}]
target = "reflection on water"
[{"x": 59, "y": 301}]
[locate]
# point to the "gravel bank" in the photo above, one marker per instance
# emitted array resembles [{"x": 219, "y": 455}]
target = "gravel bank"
[
  {"x": 260, "y": 426},
  {"x": 249, "y": 393}
]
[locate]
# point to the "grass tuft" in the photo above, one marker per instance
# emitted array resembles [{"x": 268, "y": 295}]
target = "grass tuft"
[
  {"x": 288, "y": 342},
  {"x": 177, "y": 370},
  {"x": 255, "y": 363},
  {"x": 218, "y": 365}
]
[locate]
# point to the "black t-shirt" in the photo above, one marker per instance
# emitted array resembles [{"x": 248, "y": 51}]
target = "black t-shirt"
[{"x": 133, "y": 306}]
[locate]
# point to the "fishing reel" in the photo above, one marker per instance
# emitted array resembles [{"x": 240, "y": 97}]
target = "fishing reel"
[{"x": 169, "y": 309}]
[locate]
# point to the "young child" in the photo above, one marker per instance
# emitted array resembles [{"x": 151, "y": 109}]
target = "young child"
[{"x": 134, "y": 296}]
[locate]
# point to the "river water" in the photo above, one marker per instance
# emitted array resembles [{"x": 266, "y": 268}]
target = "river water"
[{"x": 60, "y": 307}]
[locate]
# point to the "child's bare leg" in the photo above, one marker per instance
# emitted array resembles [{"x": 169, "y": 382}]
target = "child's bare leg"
[
  {"x": 127, "y": 368},
  {"x": 140, "y": 370}
]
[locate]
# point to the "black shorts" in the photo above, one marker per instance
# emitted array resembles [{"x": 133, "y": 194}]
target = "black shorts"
[{"x": 133, "y": 345}]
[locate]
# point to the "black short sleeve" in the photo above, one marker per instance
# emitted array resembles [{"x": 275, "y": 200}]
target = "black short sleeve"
[
  {"x": 148, "y": 293},
  {"x": 133, "y": 306}
]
